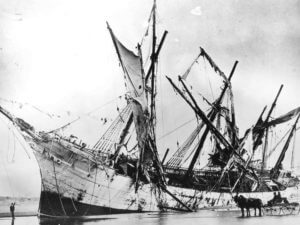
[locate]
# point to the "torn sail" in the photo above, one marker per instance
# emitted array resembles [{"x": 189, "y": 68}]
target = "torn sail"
[
  {"x": 132, "y": 68},
  {"x": 284, "y": 118}
]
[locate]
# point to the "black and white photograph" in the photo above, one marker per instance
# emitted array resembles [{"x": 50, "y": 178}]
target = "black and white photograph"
[{"x": 162, "y": 112}]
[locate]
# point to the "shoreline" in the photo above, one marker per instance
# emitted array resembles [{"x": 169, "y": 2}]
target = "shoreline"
[{"x": 18, "y": 214}]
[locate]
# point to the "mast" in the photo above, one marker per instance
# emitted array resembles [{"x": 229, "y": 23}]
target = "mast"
[
  {"x": 213, "y": 115},
  {"x": 153, "y": 77},
  {"x": 123, "y": 135},
  {"x": 275, "y": 170},
  {"x": 261, "y": 133},
  {"x": 202, "y": 115},
  {"x": 259, "y": 121},
  {"x": 293, "y": 153},
  {"x": 264, "y": 151},
  {"x": 165, "y": 156},
  {"x": 156, "y": 54}
]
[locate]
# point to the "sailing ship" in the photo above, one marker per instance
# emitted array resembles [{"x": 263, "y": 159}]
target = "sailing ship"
[
  {"x": 79, "y": 181},
  {"x": 235, "y": 164}
]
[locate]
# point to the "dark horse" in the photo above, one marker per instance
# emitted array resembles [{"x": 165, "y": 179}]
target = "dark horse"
[{"x": 248, "y": 203}]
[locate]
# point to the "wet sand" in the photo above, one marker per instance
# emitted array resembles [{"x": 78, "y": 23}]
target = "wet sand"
[{"x": 196, "y": 218}]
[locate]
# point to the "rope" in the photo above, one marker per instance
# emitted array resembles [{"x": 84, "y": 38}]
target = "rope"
[
  {"x": 272, "y": 150},
  {"x": 148, "y": 25},
  {"x": 9, "y": 181},
  {"x": 14, "y": 148},
  {"x": 8, "y": 142},
  {"x": 172, "y": 131},
  {"x": 186, "y": 73},
  {"x": 176, "y": 159},
  {"x": 59, "y": 196},
  {"x": 205, "y": 70},
  {"x": 92, "y": 191},
  {"x": 86, "y": 114},
  {"x": 112, "y": 134},
  {"x": 51, "y": 115},
  {"x": 22, "y": 145},
  {"x": 161, "y": 101},
  {"x": 105, "y": 104},
  {"x": 5, "y": 169},
  {"x": 43, "y": 185}
]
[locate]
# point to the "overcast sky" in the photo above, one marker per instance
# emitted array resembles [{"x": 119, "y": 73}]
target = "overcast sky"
[{"x": 57, "y": 55}]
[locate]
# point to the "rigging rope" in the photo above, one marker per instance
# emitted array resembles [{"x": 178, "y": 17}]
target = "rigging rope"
[
  {"x": 172, "y": 131},
  {"x": 273, "y": 149},
  {"x": 51, "y": 115},
  {"x": 14, "y": 147},
  {"x": 186, "y": 73},
  {"x": 56, "y": 183},
  {"x": 86, "y": 114},
  {"x": 148, "y": 26},
  {"x": 20, "y": 142},
  {"x": 112, "y": 134},
  {"x": 205, "y": 71},
  {"x": 9, "y": 181},
  {"x": 95, "y": 181},
  {"x": 161, "y": 100},
  {"x": 105, "y": 104}
]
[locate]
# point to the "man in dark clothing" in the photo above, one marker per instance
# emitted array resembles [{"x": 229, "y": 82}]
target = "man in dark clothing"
[
  {"x": 279, "y": 196},
  {"x": 12, "y": 209}
]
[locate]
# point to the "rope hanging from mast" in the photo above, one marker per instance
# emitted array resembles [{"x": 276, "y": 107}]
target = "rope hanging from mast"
[
  {"x": 16, "y": 138},
  {"x": 85, "y": 114}
]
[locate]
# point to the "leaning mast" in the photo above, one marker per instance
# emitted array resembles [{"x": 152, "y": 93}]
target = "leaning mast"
[
  {"x": 261, "y": 134},
  {"x": 212, "y": 116},
  {"x": 277, "y": 165},
  {"x": 153, "y": 75}
]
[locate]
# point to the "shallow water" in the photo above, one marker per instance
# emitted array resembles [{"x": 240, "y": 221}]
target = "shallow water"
[{"x": 201, "y": 217}]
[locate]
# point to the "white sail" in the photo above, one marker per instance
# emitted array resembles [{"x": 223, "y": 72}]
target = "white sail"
[{"x": 133, "y": 71}]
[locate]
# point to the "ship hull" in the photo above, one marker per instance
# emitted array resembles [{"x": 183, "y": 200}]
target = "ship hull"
[
  {"x": 51, "y": 205},
  {"x": 200, "y": 195},
  {"x": 198, "y": 200},
  {"x": 74, "y": 185}
]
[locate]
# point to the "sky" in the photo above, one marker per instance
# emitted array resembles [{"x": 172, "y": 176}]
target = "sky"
[{"x": 57, "y": 59}]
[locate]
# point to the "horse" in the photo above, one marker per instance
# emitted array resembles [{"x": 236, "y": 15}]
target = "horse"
[{"x": 247, "y": 203}]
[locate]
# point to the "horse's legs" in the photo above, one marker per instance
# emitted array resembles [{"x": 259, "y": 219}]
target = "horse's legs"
[
  {"x": 254, "y": 211},
  {"x": 248, "y": 211},
  {"x": 259, "y": 211},
  {"x": 242, "y": 209}
]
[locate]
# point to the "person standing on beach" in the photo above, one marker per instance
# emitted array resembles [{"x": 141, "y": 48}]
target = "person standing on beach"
[{"x": 12, "y": 209}]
